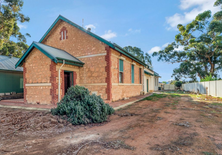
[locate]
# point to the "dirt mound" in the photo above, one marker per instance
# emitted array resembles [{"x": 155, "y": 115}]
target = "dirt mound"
[{"x": 21, "y": 121}]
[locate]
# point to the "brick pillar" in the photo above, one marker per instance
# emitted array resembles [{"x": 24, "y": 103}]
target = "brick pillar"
[
  {"x": 24, "y": 82},
  {"x": 118, "y": 70},
  {"x": 62, "y": 83},
  {"x": 74, "y": 78},
  {"x": 108, "y": 71},
  {"x": 54, "y": 85}
]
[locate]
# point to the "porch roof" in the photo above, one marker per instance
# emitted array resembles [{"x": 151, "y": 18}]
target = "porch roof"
[
  {"x": 55, "y": 54},
  {"x": 147, "y": 73}
]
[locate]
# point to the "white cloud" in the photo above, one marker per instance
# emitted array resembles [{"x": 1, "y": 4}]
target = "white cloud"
[
  {"x": 154, "y": 49},
  {"x": 180, "y": 48},
  {"x": 132, "y": 31},
  {"x": 90, "y": 26},
  {"x": 21, "y": 26},
  {"x": 165, "y": 45},
  {"x": 195, "y": 6},
  {"x": 158, "y": 48},
  {"x": 109, "y": 35}
]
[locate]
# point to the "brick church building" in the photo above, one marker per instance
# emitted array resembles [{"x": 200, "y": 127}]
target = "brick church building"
[{"x": 68, "y": 54}]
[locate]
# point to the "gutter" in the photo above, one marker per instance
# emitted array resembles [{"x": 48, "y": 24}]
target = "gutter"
[{"x": 59, "y": 84}]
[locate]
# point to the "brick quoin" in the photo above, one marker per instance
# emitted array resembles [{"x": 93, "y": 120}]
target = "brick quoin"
[
  {"x": 108, "y": 71},
  {"x": 53, "y": 83},
  {"x": 24, "y": 82},
  {"x": 74, "y": 78},
  {"x": 63, "y": 83},
  {"x": 118, "y": 70}
]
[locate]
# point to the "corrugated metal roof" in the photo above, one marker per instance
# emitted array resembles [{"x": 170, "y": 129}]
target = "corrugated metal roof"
[
  {"x": 57, "y": 53},
  {"x": 7, "y": 63}
]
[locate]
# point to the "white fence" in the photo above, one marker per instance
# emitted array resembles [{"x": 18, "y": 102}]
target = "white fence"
[
  {"x": 169, "y": 87},
  {"x": 213, "y": 88}
]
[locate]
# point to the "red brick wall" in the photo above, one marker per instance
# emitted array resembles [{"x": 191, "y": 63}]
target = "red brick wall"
[
  {"x": 54, "y": 74},
  {"x": 93, "y": 74},
  {"x": 37, "y": 70},
  {"x": 127, "y": 89},
  {"x": 24, "y": 82},
  {"x": 109, "y": 74}
]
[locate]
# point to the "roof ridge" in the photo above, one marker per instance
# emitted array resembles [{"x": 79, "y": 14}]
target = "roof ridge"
[{"x": 8, "y": 56}]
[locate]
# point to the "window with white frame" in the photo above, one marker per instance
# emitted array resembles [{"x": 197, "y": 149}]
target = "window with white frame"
[{"x": 63, "y": 34}]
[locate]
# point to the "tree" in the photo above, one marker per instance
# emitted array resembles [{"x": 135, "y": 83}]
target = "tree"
[
  {"x": 208, "y": 78},
  {"x": 138, "y": 53},
  {"x": 201, "y": 43},
  {"x": 164, "y": 82},
  {"x": 10, "y": 15},
  {"x": 218, "y": 2}
]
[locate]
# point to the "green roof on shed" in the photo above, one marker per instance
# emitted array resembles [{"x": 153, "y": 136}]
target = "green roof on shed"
[
  {"x": 55, "y": 54},
  {"x": 8, "y": 63}
]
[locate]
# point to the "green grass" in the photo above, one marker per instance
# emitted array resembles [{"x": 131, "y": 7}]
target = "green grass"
[
  {"x": 156, "y": 97},
  {"x": 208, "y": 153},
  {"x": 217, "y": 104}
]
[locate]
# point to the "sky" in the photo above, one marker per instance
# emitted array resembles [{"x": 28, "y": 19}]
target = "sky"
[{"x": 147, "y": 24}]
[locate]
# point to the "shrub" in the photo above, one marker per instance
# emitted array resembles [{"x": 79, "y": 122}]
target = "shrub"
[
  {"x": 80, "y": 107},
  {"x": 178, "y": 84}
]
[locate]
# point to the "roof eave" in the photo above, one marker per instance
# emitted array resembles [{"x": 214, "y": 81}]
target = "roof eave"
[
  {"x": 68, "y": 62},
  {"x": 11, "y": 70},
  {"x": 21, "y": 60}
]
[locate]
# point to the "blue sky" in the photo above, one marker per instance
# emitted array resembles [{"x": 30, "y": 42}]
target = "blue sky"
[{"x": 149, "y": 25}]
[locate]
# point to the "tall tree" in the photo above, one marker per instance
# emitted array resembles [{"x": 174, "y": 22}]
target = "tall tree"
[
  {"x": 202, "y": 47},
  {"x": 10, "y": 15},
  {"x": 138, "y": 53}
]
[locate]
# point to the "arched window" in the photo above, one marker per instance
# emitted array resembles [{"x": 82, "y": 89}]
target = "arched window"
[{"x": 63, "y": 34}]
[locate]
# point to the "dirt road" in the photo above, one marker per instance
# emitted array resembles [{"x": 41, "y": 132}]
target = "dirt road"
[{"x": 171, "y": 125}]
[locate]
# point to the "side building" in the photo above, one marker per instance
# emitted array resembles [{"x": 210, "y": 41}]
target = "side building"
[{"x": 11, "y": 78}]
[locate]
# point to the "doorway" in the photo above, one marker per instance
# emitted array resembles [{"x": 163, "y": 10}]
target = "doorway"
[
  {"x": 147, "y": 85},
  {"x": 68, "y": 80}
]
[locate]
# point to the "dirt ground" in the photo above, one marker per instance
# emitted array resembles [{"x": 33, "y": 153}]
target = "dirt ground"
[{"x": 168, "y": 126}]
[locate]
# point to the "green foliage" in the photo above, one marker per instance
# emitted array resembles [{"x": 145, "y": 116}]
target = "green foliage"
[
  {"x": 10, "y": 17},
  {"x": 200, "y": 49},
  {"x": 217, "y": 104},
  {"x": 138, "y": 53},
  {"x": 208, "y": 78},
  {"x": 155, "y": 97},
  {"x": 79, "y": 107},
  {"x": 218, "y": 2},
  {"x": 164, "y": 82},
  {"x": 178, "y": 84}
]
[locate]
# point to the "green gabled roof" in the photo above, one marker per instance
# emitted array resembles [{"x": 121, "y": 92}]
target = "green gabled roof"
[
  {"x": 148, "y": 73},
  {"x": 55, "y": 54},
  {"x": 156, "y": 74},
  {"x": 78, "y": 27},
  {"x": 112, "y": 45}
]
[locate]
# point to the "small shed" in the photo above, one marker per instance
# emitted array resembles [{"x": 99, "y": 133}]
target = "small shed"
[{"x": 11, "y": 78}]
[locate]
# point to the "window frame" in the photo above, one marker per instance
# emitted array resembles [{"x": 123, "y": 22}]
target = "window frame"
[
  {"x": 120, "y": 71},
  {"x": 132, "y": 73}
]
